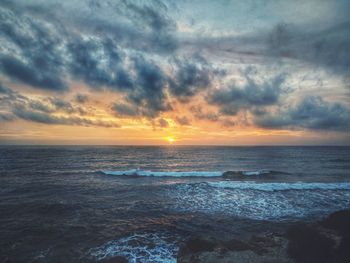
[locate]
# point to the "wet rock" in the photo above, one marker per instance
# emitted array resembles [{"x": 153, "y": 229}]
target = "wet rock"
[
  {"x": 339, "y": 221},
  {"x": 195, "y": 245},
  {"x": 307, "y": 244},
  {"x": 233, "y": 175},
  {"x": 321, "y": 242},
  {"x": 237, "y": 245},
  {"x": 117, "y": 259},
  {"x": 241, "y": 251}
]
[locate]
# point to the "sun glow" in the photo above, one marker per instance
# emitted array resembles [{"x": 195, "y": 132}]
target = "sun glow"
[{"x": 170, "y": 140}]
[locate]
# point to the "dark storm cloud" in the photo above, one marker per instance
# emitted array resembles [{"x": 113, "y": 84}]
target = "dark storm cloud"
[
  {"x": 190, "y": 78},
  {"x": 98, "y": 62},
  {"x": 328, "y": 47},
  {"x": 148, "y": 95},
  {"x": 126, "y": 46},
  {"x": 311, "y": 113},
  {"x": 141, "y": 25},
  {"x": 253, "y": 94},
  {"x": 30, "y": 75},
  {"x": 32, "y": 56},
  {"x": 42, "y": 117},
  {"x": 42, "y": 54},
  {"x": 47, "y": 110},
  {"x": 154, "y": 16},
  {"x": 45, "y": 53}
]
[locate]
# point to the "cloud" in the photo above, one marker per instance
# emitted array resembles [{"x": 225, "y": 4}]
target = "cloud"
[
  {"x": 183, "y": 120},
  {"x": 145, "y": 52},
  {"x": 252, "y": 94},
  {"x": 41, "y": 117},
  {"x": 98, "y": 62},
  {"x": 33, "y": 75},
  {"x": 46, "y": 110},
  {"x": 148, "y": 97},
  {"x": 227, "y": 123},
  {"x": 154, "y": 17},
  {"x": 4, "y": 117},
  {"x": 311, "y": 113},
  {"x": 190, "y": 78},
  {"x": 5, "y": 90},
  {"x": 200, "y": 114},
  {"x": 30, "y": 52},
  {"x": 81, "y": 98},
  {"x": 42, "y": 53},
  {"x": 328, "y": 47},
  {"x": 163, "y": 123},
  {"x": 126, "y": 110}
]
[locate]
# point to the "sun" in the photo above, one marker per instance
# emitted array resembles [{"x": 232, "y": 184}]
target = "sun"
[{"x": 170, "y": 140}]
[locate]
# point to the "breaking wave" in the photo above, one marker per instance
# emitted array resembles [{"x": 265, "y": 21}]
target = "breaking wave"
[
  {"x": 143, "y": 247},
  {"x": 139, "y": 172},
  {"x": 261, "y": 201},
  {"x": 280, "y": 186}
]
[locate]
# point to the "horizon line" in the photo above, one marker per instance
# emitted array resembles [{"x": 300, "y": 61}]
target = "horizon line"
[{"x": 190, "y": 145}]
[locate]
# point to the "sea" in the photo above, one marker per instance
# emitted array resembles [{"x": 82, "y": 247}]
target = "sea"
[{"x": 93, "y": 203}]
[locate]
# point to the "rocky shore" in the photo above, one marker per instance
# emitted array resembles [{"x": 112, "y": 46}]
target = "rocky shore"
[
  {"x": 325, "y": 241},
  {"x": 322, "y": 242}
]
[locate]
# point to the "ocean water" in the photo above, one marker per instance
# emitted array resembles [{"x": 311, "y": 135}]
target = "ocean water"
[{"x": 87, "y": 204}]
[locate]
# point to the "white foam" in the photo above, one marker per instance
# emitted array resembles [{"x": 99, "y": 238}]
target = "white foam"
[
  {"x": 138, "y": 172},
  {"x": 143, "y": 247},
  {"x": 258, "y": 172},
  {"x": 280, "y": 186},
  {"x": 261, "y": 201}
]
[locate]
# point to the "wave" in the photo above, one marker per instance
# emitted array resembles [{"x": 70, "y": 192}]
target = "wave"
[
  {"x": 261, "y": 201},
  {"x": 143, "y": 247},
  {"x": 280, "y": 186},
  {"x": 227, "y": 174},
  {"x": 138, "y": 172}
]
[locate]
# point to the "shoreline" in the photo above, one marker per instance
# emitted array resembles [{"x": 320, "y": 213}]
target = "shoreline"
[
  {"x": 312, "y": 241},
  {"x": 327, "y": 240}
]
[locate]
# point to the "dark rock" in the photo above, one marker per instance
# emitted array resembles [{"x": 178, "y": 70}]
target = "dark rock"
[
  {"x": 308, "y": 245},
  {"x": 117, "y": 259},
  {"x": 233, "y": 175},
  {"x": 237, "y": 245},
  {"x": 195, "y": 245},
  {"x": 343, "y": 251},
  {"x": 340, "y": 222}
]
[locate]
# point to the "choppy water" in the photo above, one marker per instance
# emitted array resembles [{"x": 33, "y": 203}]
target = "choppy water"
[{"x": 85, "y": 204}]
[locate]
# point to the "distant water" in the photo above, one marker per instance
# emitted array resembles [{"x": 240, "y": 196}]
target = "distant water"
[{"x": 85, "y": 204}]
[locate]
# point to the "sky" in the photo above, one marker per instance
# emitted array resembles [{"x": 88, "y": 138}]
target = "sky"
[{"x": 200, "y": 72}]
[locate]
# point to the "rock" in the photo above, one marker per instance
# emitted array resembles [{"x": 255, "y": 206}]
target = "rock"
[
  {"x": 239, "y": 251},
  {"x": 195, "y": 245},
  {"x": 308, "y": 245},
  {"x": 117, "y": 259},
  {"x": 237, "y": 245},
  {"x": 342, "y": 253},
  {"x": 233, "y": 175},
  {"x": 339, "y": 221}
]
